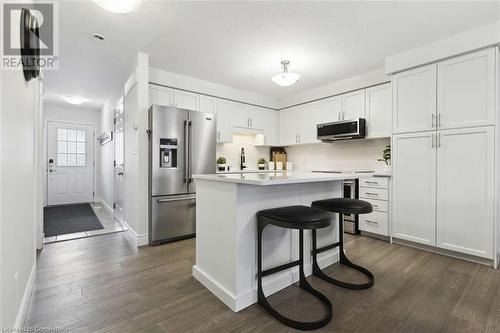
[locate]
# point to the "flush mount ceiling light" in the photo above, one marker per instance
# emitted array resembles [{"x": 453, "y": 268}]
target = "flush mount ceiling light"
[
  {"x": 285, "y": 78},
  {"x": 119, "y": 6},
  {"x": 75, "y": 100}
]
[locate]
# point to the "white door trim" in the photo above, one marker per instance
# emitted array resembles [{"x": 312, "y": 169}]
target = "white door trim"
[{"x": 46, "y": 153}]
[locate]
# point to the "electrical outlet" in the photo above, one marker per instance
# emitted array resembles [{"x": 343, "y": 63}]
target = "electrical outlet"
[{"x": 16, "y": 284}]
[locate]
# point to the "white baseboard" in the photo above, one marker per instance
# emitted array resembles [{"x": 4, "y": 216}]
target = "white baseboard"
[
  {"x": 137, "y": 240},
  {"x": 105, "y": 204},
  {"x": 25, "y": 301},
  {"x": 271, "y": 285}
]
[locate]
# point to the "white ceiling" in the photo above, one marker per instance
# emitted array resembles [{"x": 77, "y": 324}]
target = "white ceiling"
[{"x": 240, "y": 44}]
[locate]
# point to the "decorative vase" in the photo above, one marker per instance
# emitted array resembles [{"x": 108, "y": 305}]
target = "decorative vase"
[{"x": 262, "y": 166}]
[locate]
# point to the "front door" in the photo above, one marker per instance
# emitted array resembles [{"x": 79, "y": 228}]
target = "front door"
[
  {"x": 119, "y": 182},
  {"x": 70, "y": 171}
]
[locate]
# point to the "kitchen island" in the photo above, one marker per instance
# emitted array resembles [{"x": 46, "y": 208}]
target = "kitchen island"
[{"x": 226, "y": 230}]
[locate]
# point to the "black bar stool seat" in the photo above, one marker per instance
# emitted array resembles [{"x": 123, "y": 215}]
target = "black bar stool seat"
[
  {"x": 341, "y": 206},
  {"x": 300, "y": 218}
]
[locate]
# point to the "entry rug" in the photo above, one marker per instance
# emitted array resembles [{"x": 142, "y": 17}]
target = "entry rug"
[{"x": 62, "y": 220}]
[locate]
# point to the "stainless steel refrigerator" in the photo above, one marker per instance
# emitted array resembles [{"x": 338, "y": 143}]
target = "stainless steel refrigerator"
[{"x": 181, "y": 143}]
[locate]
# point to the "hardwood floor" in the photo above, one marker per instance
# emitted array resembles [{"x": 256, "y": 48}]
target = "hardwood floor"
[{"x": 103, "y": 284}]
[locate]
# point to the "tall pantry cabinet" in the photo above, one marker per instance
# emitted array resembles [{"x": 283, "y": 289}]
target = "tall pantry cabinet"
[{"x": 444, "y": 154}]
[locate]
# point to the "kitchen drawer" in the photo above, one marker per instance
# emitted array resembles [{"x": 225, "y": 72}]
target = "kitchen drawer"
[
  {"x": 379, "y": 205},
  {"x": 373, "y": 193},
  {"x": 380, "y": 182},
  {"x": 375, "y": 222}
]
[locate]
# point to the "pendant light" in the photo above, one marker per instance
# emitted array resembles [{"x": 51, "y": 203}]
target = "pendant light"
[{"x": 285, "y": 78}]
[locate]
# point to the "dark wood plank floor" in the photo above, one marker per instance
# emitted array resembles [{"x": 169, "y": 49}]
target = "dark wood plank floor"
[{"x": 103, "y": 284}]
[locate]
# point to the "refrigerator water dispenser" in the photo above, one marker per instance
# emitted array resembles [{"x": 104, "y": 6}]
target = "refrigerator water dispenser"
[{"x": 168, "y": 153}]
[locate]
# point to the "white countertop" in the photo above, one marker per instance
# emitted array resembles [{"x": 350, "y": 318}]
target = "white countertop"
[{"x": 279, "y": 178}]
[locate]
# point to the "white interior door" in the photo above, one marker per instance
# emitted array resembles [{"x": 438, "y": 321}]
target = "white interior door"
[
  {"x": 119, "y": 162},
  {"x": 70, "y": 172}
]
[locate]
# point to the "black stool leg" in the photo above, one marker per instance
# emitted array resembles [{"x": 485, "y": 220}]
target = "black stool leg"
[
  {"x": 343, "y": 260},
  {"x": 302, "y": 283}
]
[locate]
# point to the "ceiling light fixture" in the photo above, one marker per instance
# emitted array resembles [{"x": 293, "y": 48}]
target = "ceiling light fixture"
[
  {"x": 119, "y": 6},
  {"x": 285, "y": 78},
  {"x": 75, "y": 100}
]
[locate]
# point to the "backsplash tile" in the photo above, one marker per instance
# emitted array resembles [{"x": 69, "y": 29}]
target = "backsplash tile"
[{"x": 232, "y": 151}]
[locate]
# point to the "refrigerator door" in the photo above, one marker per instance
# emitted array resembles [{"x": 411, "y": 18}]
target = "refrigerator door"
[
  {"x": 168, "y": 150},
  {"x": 173, "y": 217},
  {"x": 202, "y": 141}
]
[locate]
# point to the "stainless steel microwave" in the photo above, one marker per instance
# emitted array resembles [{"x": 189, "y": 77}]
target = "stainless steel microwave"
[{"x": 342, "y": 130}]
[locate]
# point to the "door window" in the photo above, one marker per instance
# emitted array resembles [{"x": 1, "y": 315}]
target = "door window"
[{"x": 71, "y": 147}]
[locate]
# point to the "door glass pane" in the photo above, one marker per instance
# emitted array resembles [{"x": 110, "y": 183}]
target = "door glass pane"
[{"x": 71, "y": 147}]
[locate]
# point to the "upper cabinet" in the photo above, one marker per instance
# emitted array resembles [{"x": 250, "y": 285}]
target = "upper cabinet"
[
  {"x": 224, "y": 120},
  {"x": 271, "y": 127},
  {"x": 186, "y": 100},
  {"x": 331, "y": 109},
  {"x": 379, "y": 111},
  {"x": 353, "y": 105},
  {"x": 414, "y": 100},
  {"x": 207, "y": 104},
  {"x": 289, "y": 126},
  {"x": 465, "y": 90},
  {"x": 247, "y": 116},
  {"x": 309, "y": 118},
  {"x": 161, "y": 95}
]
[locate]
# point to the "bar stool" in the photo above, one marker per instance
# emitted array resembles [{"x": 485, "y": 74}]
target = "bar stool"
[
  {"x": 341, "y": 206},
  {"x": 300, "y": 218}
]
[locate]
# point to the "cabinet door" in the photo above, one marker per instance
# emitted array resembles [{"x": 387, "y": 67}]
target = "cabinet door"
[
  {"x": 466, "y": 90},
  {"x": 224, "y": 122},
  {"x": 331, "y": 109},
  {"x": 160, "y": 95},
  {"x": 271, "y": 127},
  {"x": 414, "y": 100},
  {"x": 256, "y": 116},
  {"x": 353, "y": 105},
  {"x": 289, "y": 124},
  {"x": 465, "y": 190},
  {"x": 414, "y": 187},
  {"x": 379, "y": 111},
  {"x": 208, "y": 104},
  {"x": 240, "y": 114},
  {"x": 186, "y": 100},
  {"x": 309, "y": 118}
]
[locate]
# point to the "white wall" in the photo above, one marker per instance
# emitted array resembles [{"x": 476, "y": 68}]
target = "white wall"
[
  {"x": 17, "y": 193},
  {"x": 341, "y": 155},
  {"x": 232, "y": 152}
]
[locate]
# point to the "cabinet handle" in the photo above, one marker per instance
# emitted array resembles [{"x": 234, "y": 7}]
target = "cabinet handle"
[
  {"x": 371, "y": 182},
  {"x": 218, "y": 136},
  {"x": 371, "y": 222},
  {"x": 370, "y": 193},
  {"x": 439, "y": 140},
  {"x": 433, "y": 120},
  {"x": 339, "y": 114},
  {"x": 251, "y": 122},
  {"x": 433, "y": 144},
  {"x": 439, "y": 119}
]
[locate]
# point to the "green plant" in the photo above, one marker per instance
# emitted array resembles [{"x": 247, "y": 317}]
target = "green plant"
[
  {"x": 262, "y": 161},
  {"x": 386, "y": 155},
  {"x": 221, "y": 160}
]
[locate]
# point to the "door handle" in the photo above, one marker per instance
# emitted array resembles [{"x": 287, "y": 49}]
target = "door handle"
[{"x": 177, "y": 199}]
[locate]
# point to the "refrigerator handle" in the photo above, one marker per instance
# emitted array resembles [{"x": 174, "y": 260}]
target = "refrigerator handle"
[
  {"x": 190, "y": 151},
  {"x": 186, "y": 145}
]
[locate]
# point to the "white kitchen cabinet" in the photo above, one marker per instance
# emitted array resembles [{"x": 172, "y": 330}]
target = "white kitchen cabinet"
[
  {"x": 247, "y": 116},
  {"x": 353, "y": 105},
  {"x": 375, "y": 190},
  {"x": 414, "y": 187},
  {"x": 256, "y": 116},
  {"x": 207, "y": 104},
  {"x": 414, "y": 100},
  {"x": 465, "y": 190},
  {"x": 289, "y": 126},
  {"x": 309, "y": 118},
  {"x": 271, "y": 127},
  {"x": 224, "y": 121},
  {"x": 331, "y": 109},
  {"x": 379, "y": 111},
  {"x": 466, "y": 90},
  {"x": 186, "y": 100},
  {"x": 161, "y": 95}
]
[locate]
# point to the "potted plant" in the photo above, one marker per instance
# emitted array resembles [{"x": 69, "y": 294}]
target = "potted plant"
[
  {"x": 221, "y": 163},
  {"x": 262, "y": 164},
  {"x": 386, "y": 156}
]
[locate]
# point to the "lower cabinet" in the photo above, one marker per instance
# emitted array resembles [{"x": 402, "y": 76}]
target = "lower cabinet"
[
  {"x": 444, "y": 189},
  {"x": 375, "y": 191},
  {"x": 465, "y": 190}
]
